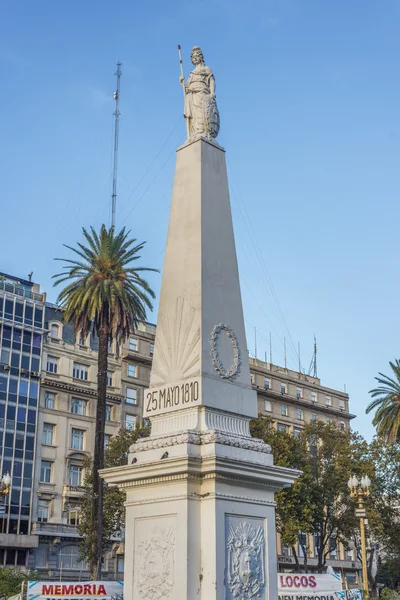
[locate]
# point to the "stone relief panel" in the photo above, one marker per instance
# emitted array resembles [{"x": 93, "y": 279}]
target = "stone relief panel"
[
  {"x": 245, "y": 574},
  {"x": 154, "y": 566},
  {"x": 177, "y": 347}
]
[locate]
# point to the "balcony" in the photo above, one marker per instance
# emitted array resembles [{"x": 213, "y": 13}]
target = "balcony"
[
  {"x": 13, "y": 540},
  {"x": 72, "y": 491},
  {"x": 19, "y": 290},
  {"x": 55, "y": 529}
]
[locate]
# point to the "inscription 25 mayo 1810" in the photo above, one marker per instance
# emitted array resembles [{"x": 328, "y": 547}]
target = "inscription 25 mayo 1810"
[{"x": 173, "y": 396}]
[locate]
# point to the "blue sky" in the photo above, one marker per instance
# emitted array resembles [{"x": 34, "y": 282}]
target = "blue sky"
[{"x": 309, "y": 97}]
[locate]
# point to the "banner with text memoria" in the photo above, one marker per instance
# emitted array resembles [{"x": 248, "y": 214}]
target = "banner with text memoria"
[
  {"x": 308, "y": 587},
  {"x": 82, "y": 590}
]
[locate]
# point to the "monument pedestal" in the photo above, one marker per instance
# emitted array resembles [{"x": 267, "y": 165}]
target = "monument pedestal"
[{"x": 200, "y": 518}]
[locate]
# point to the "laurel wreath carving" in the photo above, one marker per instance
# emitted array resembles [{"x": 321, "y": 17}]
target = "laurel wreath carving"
[{"x": 218, "y": 366}]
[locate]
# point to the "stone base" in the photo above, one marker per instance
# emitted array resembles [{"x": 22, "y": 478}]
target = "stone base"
[{"x": 200, "y": 519}]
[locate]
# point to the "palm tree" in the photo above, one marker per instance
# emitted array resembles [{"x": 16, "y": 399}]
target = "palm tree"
[
  {"x": 386, "y": 399},
  {"x": 104, "y": 294}
]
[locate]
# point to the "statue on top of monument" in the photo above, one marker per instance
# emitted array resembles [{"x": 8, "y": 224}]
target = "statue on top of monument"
[{"x": 200, "y": 111}]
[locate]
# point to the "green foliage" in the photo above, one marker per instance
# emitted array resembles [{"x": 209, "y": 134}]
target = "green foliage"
[
  {"x": 386, "y": 401},
  {"x": 115, "y": 455},
  {"x": 102, "y": 290},
  {"x": 388, "y": 594},
  {"x": 11, "y": 580}
]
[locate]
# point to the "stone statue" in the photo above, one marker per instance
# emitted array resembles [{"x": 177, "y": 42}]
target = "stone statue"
[{"x": 200, "y": 111}]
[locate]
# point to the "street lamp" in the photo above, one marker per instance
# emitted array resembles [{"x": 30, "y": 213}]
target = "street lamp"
[{"x": 360, "y": 490}]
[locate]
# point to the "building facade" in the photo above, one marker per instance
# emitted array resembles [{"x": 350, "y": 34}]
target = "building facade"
[{"x": 21, "y": 342}]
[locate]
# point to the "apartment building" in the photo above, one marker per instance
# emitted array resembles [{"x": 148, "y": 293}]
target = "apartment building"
[{"x": 21, "y": 341}]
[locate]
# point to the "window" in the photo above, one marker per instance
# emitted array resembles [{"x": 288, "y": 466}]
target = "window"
[
  {"x": 302, "y": 544},
  {"x": 342, "y": 425},
  {"x": 281, "y": 427},
  {"x": 55, "y": 331},
  {"x": 48, "y": 434},
  {"x": 133, "y": 344},
  {"x": 317, "y": 543},
  {"x": 69, "y": 558},
  {"x": 77, "y": 437},
  {"x": 130, "y": 421},
  {"x": 284, "y": 410},
  {"x": 286, "y": 551},
  {"x": 43, "y": 511},
  {"x": 332, "y": 547},
  {"x": 52, "y": 364},
  {"x": 80, "y": 371},
  {"x": 313, "y": 417},
  {"x": 82, "y": 341},
  {"x": 300, "y": 414},
  {"x": 73, "y": 516},
  {"x": 314, "y": 397},
  {"x": 151, "y": 349},
  {"x": 283, "y": 388},
  {"x": 267, "y": 383},
  {"x": 252, "y": 378},
  {"x": 79, "y": 406},
  {"x": 350, "y": 554},
  {"x": 120, "y": 564},
  {"x": 75, "y": 475},
  {"x": 328, "y": 420},
  {"x": 110, "y": 378},
  {"x": 298, "y": 392},
  {"x": 131, "y": 395},
  {"x": 108, "y": 412},
  {"x": 328, "y": 400},
  {"x": 268, "y": 406},
  {"x": 341, "y": 404},
  {"x": 45, "y": 471},
  {"x": 49, "y": 400},
  {"x": 296, "y": 432},
  {"x": 132, "y": 370},
  {"x": 107, "y": 438}
]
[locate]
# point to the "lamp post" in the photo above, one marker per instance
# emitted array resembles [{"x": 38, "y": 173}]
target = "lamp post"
[
  {"x": 360, "y": 490},
  {"x": 4, "y": 490}
]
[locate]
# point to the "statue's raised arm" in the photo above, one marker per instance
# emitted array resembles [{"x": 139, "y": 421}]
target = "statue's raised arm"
[{"x": 200, "y": 110}]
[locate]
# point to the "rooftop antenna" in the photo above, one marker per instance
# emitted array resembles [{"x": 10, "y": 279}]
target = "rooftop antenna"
[
  {"x": 116, "y": 132},
  {"x": 270, "y": 348},
  {"x": 284, "y": 351},
  {"x": 313, "y": 365},
  {"x": 298, "y": 343}
]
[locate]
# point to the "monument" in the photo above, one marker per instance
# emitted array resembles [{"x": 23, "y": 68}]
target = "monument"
[{"x": 200, "y": 516}]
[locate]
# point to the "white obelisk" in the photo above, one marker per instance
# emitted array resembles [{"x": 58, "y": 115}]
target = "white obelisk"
[{"x": 200, "y": 521}]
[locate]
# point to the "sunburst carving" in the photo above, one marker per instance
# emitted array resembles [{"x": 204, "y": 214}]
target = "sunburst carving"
[{"x": 177, "y": 347}]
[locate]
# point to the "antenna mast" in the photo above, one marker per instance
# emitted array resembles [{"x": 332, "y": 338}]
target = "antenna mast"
[
  {"x": 116, "y": 133},
  {"x": 313, "y": 365}
]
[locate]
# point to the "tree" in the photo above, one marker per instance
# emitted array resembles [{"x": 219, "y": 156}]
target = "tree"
[
  {"x": 386, "y": 401},
  {"x": 293, "y": 504},
  {"x": 319, "y": 502},
  {"x": 115, "y": 455},
  {"x": 106, "y": 295},
  {"x": 11, "y": 581}
]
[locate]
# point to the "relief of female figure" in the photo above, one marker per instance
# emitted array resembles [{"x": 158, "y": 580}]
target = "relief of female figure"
[{"x": 201, "y": 109}]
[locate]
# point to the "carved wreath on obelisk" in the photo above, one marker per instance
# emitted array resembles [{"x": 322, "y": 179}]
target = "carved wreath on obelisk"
[
  {"x": 156, "y": 573},
  {"x": 216, "y": 360},
  {"x": 246, "y": 561}
]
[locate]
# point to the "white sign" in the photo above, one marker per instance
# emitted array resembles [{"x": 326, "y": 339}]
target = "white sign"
[
  {"x": 308, "y": 587},
  {"x": 101, "y": 590},
  {"x": 174, "y": 396}
]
